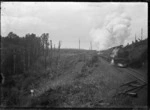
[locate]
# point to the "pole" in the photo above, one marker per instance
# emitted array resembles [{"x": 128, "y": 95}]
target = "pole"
[
  {"x": 91, "y": 44},
  {"x": 135, "y": 38},
  {"x": 51, "y": 54},
  {"x": 141, "y": 33},
  {"x": 79, "y": 44}
]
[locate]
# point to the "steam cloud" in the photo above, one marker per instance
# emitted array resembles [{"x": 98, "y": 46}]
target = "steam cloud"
[{"x": 114, "y": 32}]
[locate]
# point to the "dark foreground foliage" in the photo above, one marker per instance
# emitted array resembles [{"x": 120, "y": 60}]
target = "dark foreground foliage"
[
  {"x": 29, "y": 60},
  {"x": 19, "y": 56}
]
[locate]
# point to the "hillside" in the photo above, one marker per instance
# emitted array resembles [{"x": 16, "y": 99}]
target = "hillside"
[
  {"x": 89, "y": 81},
  {"x": 67, "y": 77},
  {"x": 135, "y": 54}
]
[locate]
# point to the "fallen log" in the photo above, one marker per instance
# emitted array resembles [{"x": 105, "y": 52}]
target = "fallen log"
[
  {"x": 135, "y": 81},
  {"x": 128, "y": 92},
  {"x": 133, "y": 94},
  {"x": 135, "y": 88},
  {"x": 134, "y": 85}
]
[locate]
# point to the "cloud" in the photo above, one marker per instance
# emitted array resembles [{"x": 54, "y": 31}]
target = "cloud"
[
  {"x": 30, "y": 16},
  {"x": 73, "y": 20},
  {"x": 115, "y": 30},
  {"x": 118, "y": 24},
  {"x": 21, "y": 24}
]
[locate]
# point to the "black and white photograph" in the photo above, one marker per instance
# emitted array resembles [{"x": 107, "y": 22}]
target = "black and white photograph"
[{"x": 74, "y": 55}]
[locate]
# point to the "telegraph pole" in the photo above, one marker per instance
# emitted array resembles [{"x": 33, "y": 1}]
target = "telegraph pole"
[
  {"x": 135, "y": 37},
  {"x": 54, "y": 46},
  {"x": 141, "y": 33},
  {"x": 91, "y": 45},
  {"x": 79, "y": 44}
]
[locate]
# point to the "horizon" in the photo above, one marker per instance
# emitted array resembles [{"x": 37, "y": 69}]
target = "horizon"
[
  {"x": 77, "y": 48},
  {"x": 68, "y": 22}
]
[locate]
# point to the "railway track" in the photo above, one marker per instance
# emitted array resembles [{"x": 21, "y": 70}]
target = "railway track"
[
  {"x": 135, "y": 71},
  {"x": 137, "y": 75},
  {"x": 132, "y": 72}
]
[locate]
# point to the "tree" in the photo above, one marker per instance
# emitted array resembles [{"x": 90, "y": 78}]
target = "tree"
[
  {"x": 18, "y": 54},
  {"x": 45, "y": 44}
]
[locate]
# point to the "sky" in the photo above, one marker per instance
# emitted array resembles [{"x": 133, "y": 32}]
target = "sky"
[{"x": 70, "y": 21}]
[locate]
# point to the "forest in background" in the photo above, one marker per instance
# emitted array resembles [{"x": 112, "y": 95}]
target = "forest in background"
[
  {"x": 27, "y": 61},
  {"x": 21, "y": 58}
]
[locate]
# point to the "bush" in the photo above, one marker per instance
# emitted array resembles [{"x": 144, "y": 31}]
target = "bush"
[
  {"x": 92, "y": 61},
  {"x": 123, "y": 53}
]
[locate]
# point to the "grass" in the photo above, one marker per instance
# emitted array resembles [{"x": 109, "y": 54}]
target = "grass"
[
  {"x": 87, "y": 81},
  {"x": 75, "y": 95},
  {"x": 69, "y": 95},
  {"x": 79, "y": 93}
]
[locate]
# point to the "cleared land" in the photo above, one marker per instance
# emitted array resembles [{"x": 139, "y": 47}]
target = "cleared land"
[{"x": 89, "y": 81}]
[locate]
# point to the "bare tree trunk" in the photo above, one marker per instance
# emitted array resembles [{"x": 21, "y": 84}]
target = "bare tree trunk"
[
  {"x": 45, "y": 60},
  {"x": 1, "y": 89},
  {"x": 24, "y": 58},
  {"x": 51, "y": 43},
  {"x": 59, "y": 45},
  {"x": 51, "y": 55},
  {"x": 14, "y": 59},
  {"x": 28, "y": 59}
]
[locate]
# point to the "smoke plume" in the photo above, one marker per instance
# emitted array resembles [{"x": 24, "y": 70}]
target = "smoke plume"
[{"x": 115, "y": 29}]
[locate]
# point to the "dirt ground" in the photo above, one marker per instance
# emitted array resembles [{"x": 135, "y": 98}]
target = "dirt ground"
[{"x": 90, "y": 85}]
